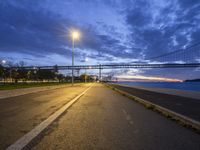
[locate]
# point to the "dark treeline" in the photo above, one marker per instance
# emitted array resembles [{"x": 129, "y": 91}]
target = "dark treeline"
[{"x": 21, "y": 75}]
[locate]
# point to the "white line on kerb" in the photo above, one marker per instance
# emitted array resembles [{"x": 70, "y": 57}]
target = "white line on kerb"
[{"x": 27, "y": 138}]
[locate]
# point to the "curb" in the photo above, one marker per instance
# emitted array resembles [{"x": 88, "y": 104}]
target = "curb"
[{"x": 183, "y": 120}]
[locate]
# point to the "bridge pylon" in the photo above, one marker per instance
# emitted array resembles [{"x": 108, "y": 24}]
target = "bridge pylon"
[{"x": 100, "y": 68}]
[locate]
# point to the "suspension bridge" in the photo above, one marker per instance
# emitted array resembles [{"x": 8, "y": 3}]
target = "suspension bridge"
[{"x": 188, "y": 57}]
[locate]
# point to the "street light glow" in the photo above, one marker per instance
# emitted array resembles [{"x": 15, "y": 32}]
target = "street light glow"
[
  {"x": 75, "y": 34},
  {"x": 3, "y": 61}
]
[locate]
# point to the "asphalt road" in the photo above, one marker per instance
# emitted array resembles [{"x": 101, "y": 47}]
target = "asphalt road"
[
  {"x": 20, "y": 114},
  {"x": 183, "y": 105},
  {"x": 103, "y": 119}
]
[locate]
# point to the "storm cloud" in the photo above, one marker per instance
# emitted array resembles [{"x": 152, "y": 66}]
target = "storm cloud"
[{"x": 112, "y": 31}]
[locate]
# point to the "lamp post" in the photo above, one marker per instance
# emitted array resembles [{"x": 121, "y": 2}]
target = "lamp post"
[
  {"x": 85, "y": 75},
  {"x": 75, "y": 36},
  {"x": 86, "y": 60}
]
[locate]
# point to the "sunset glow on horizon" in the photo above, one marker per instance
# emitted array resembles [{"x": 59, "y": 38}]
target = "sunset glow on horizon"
[{"x": 146, "y": 78}]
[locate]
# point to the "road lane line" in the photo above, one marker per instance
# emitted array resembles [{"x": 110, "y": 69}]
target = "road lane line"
[
  {"x": 27, "y": 138},
  {"x": 128, "y": 117}
]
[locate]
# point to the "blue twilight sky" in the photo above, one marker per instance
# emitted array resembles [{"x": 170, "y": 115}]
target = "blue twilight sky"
[{"x": 112, "y": 31}]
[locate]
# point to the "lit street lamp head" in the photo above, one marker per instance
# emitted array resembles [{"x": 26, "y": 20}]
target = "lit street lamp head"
[{"x": 75, "y": 35}]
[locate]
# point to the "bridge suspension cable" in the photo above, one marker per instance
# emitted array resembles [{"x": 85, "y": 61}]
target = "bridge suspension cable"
[{"x": 190, "y": 54}]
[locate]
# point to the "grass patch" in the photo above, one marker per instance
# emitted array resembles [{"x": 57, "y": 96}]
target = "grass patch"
[
  {"x": 149, "y": 106},
  {"x": 28, "y": 85}
]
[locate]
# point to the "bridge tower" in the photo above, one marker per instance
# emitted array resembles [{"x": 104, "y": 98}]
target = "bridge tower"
[{"x": 100, "y": 72}]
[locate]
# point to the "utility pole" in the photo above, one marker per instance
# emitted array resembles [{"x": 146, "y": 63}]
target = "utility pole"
[
  {"x": 10, "y": 75},
  {"x": 99, "y": 72},
  {"x": 85, "y": 75},
  {"x": 73, "y": 61}
]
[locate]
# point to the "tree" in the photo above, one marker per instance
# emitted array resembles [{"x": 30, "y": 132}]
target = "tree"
[
  {"x": 46, "y": 74},
  {"x": 55, "y": 68},
  {"x": 1, "y": 71},
  {"x": 32, "y": 75},
  {"x": 15, "y": 75},
  {"x": 84, "y": 77},
  {"x": 60, "y": 77},
  {"x": 21, "y": 64},
  {"x": 22, "y": 74}
]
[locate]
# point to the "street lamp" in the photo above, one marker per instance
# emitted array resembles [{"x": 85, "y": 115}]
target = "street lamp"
[{"x": 75, "y": 36}]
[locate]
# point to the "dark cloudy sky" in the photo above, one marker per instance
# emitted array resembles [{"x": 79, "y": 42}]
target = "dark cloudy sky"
[{"x": 113, "y": 31}]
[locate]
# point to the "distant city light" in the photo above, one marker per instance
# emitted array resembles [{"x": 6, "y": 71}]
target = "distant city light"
[{"x": 3, "y": 61}]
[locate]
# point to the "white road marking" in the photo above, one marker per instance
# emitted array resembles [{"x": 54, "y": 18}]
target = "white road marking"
[
  {"x": 27, "y": 138},
  {"x": 128, "y": 117},
  {"x": 124, "y": 111}
]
